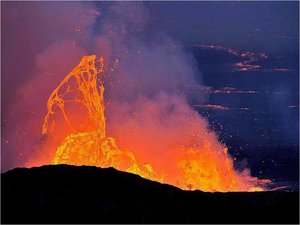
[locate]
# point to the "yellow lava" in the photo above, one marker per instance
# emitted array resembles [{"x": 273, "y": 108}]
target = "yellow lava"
[{"x": 89, "y": 148}]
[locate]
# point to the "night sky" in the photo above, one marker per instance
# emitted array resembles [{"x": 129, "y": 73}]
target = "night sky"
[{"x": 247, "y": 55}]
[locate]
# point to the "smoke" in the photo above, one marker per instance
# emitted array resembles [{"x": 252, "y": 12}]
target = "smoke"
[
  {"x": 42, "y": 41},
  {"x": 40, "y": 46},
  {"x": 147, "y": 106},
  {"x": 148, "y": 110}
]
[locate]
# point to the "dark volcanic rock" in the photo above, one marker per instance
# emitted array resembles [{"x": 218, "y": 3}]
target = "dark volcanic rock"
[{"x": 69, "y": 194}]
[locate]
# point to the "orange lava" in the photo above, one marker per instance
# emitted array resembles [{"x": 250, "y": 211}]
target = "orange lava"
[{"x": 75, "y": 130}]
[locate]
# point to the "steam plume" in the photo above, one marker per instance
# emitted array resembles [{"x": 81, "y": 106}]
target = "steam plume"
[{"x": 147, "y": 110}]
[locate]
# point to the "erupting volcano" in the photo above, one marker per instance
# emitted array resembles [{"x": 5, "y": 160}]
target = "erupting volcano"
[{"x": 78, "y": 103}]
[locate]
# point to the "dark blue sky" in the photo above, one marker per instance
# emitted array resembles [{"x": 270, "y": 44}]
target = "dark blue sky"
[
  {"x": 218, "y": 34},
  {"x": 259, "y": 26}
]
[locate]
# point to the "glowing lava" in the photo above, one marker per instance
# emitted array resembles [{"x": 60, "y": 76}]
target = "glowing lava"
[
  {"x": 206, "y": 167},
  {"x": 89, "y": 148}
]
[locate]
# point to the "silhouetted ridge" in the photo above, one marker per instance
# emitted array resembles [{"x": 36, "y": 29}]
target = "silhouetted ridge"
[{"x": 70, "y": 194}]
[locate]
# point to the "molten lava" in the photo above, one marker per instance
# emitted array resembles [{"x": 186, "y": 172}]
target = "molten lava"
[{"x": 85, "y": 142}]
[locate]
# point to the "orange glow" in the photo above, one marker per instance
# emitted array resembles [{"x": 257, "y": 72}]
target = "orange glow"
[{"x": 75, "y": 128}]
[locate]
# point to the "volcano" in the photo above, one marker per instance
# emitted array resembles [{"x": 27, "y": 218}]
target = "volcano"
[{"x": 85, "y": 194}]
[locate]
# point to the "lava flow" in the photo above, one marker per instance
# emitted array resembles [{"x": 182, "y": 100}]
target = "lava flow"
[{"x": 84, "y": 141}]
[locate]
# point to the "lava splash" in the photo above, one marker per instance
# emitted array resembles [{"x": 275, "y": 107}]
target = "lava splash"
[{"x": 84, "y": 142}]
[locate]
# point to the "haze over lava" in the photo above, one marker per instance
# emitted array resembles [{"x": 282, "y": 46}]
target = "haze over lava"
[{"x": 147, "y": 110}]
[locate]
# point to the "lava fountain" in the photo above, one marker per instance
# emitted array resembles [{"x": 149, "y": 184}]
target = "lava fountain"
[{"x": 84, "y": 141}]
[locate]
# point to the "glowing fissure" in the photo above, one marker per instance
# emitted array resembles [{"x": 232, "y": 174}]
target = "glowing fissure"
[{"x": 196, "y": 167}]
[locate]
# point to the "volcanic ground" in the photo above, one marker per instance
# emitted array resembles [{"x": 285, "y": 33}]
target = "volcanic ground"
[{"x": 71, "y": 194}]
